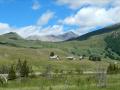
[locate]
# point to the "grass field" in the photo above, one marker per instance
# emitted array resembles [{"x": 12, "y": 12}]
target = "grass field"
[
  {"x": 39, "y": 60},
  {"x": 66, "y": 82}
]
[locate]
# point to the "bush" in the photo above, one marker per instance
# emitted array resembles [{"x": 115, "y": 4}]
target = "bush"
[
  {"x": 113, "y": 69},
  {"x": 4, "y": 69},
  {"x": 12, "y": 73},
  {"x": 18, "y": 66},
  {"x": 52, "y": 54},
  {"x": 94, "y": 58},
  {"x": 24, "y": 70}
]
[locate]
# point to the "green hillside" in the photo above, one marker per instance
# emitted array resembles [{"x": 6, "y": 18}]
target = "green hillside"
[
  {"x": 64, "y": 72},
  {"x": 91, "y": 43},
  {"x": 102, "y": 31}
]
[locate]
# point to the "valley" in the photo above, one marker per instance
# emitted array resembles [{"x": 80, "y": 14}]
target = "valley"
[{"x": 64, "y": 74}]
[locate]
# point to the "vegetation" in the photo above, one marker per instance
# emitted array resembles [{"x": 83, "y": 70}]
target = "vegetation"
[
  {"x": 113, "y": 69},
  {"x": 24, "y": 69},
  {"x": 99, "y": 42},
  {"x": 94, "y": 58},
  {"x": 52, "y": 54},
  {"x": 61, "y": 74},
  {"x": 113, "y": 42},
  {"x": 12, "y": 73},
  {"x": 56, "y": 75}
]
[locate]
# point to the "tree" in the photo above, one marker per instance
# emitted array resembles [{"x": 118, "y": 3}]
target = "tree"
[
  {"x": 94, "y": 58},
  {"x": 24, "y": 71},
  {"x": 18, "y": 66},
  {"x": 113, "y": 69},
  {"x": 52, "y": 54},
  {"x": 12, "y": 73},
  {"x": 4, "y": 69}
]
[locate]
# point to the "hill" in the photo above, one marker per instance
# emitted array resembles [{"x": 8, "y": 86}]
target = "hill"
[
  {"x": 96, "y": 42},
  {"x": 108, "y": 37},
  {"x": 102, "y": 31},
  {"x": 11, "y": 35}
]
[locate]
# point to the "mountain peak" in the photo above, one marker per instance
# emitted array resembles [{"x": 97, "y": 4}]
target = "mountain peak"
[
  {"x": 54, "y": 38},
  {"x": 12, "y": 35},
  {"x": 71, "y": 33}
]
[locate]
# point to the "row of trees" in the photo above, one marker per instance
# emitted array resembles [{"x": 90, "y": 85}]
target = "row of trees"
[
  {"x": 94, "y": 58},
  {"x": 113, "y": 69},
  {"x": 21, "y": 69}
]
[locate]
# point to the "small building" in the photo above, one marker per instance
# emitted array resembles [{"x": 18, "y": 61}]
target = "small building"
[{"x": 70, "y": 58}]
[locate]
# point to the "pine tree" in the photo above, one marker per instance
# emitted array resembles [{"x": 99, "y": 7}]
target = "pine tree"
[
  {"x": 12, "y": 73},
  {"x": 24, "y": 71},
  {"x": 52, "y": 54},
  {"x": 113, "y": 69},
  {"x": 18, "y": 66}
]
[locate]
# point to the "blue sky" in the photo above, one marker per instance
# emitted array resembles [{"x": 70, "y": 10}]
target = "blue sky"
[
  {"x": 41, "y": 17},
  {"x": 20, "y": 12}
]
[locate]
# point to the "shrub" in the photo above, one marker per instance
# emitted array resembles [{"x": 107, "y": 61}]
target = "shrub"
[
  {"x": 12, "y": 73},
  {"x": 94, "y": 58},
  {"x": 52, "y": 54},
  {"x": 113, "y": 69},
  {"x": 4, "y": 69},
  {"x": 18, "y": 66},
  {"x": 24, "y": 71}
]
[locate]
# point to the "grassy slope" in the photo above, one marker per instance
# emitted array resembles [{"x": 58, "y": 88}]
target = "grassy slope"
[
  {"x": 38, "y": 58},
  {"x": 89, "y": 43},
  {"x": 37, "y": 52}
]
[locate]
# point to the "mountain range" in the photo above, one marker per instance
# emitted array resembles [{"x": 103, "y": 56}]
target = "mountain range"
[
  {"x": 104, "y": 42},
  {"x": 54, "y": 38}
]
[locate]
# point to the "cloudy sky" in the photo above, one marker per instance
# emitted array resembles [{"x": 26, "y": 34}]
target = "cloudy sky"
[{"x": 42, "y": 17}]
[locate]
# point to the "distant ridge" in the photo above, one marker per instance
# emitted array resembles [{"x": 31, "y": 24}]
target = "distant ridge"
[
  {"x": 54, "y": 38},
  {"x": 99, "y": 32},
  {"x": 104, "y": 42},
  {"x": 11, "y": 35}
]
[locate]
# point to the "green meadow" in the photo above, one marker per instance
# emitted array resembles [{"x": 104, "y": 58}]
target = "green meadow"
[{"x": 65, "y": 75}]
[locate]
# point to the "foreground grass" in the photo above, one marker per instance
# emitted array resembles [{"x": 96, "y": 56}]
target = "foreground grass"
[{"x": 71, "y": 82}]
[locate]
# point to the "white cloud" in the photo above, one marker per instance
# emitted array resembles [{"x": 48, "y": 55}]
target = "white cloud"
[
  {"x": 36, "y": 5},
  {"x": 4, "y": 26},
  {"x": 91, "y": 17},
  {"x": 27, "y": 31},
  {"x": 74, "y": 4},
  {"x": 115, "y": 3},
  {"x": 86, "y": 18},
  {"x": 52, "y": 30},
  {"x": 31, "y": 30},
  {"x": 98, "y": 13},
  {"x": 34, "y": 29},
  {"x": 37, "y": 30},
  {"x": 44, "y": 19}
]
